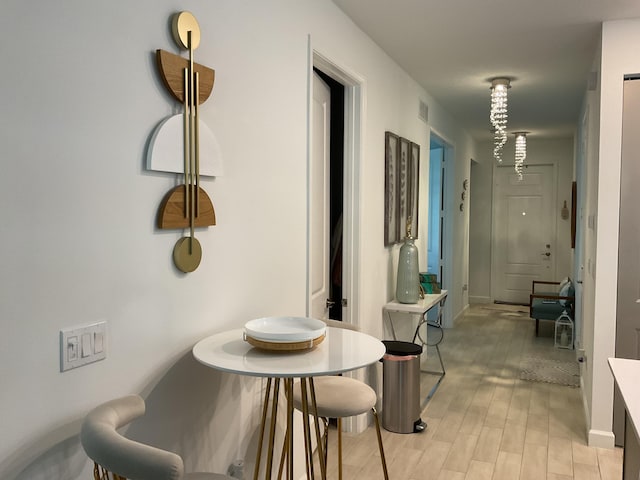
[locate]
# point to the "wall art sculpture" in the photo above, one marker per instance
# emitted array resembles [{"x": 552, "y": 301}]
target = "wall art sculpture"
[{"x": 183, "y": 144}]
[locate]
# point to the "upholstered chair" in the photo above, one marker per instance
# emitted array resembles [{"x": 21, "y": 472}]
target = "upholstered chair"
[{"x": 118, "y": 458}]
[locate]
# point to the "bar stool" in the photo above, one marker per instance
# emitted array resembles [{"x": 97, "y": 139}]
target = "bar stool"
[{"x": 342, "y": 397}]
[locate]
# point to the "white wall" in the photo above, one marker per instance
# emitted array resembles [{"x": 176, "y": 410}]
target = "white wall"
[
  {"x": 618, "y": 57},
  {"x": 558, "y": 151},
  {"x": 80, "y": 98},
  {"x": 591, "y": 113}
]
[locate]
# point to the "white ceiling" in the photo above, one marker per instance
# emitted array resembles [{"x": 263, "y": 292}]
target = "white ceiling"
[{"x": 453, "y": 47}]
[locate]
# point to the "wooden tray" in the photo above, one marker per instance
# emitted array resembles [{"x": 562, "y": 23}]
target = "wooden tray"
[{"x": 284, "y": 346}]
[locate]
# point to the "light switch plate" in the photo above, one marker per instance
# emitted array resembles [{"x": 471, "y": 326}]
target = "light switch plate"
[{"x": 82, "y": 345}]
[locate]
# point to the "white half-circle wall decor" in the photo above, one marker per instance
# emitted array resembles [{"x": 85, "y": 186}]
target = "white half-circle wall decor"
[{"x": 166, "y": 149}]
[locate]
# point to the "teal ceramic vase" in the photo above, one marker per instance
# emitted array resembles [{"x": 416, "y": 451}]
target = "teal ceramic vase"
[{"x": 408, "y": 282}]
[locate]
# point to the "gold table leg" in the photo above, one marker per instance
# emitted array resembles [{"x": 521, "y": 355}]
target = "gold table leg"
[{"x": 286, "y": 456}]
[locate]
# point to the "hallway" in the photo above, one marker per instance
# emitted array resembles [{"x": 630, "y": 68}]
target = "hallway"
[{"x": 486, "y": 423}]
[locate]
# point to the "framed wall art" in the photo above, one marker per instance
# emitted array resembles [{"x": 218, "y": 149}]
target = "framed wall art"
[
  {"x": 392, "y": 143},
  {"x": 413, "y": 181},
  {"x": 402, "y": 174},
  {"x": 404, "y": 167}
]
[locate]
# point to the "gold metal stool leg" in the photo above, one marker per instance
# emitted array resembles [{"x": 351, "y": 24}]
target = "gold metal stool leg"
[
  {"x": 339, "y": 449},
  {"x": 384, "y": 461},
  {"x": 314, "y": 411}
]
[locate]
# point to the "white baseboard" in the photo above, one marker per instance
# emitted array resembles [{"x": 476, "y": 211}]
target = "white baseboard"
[
  {"x": 601, "y": 439},
  {"x": 477, "y": 299},
  {"x": 595, "y": 438}
]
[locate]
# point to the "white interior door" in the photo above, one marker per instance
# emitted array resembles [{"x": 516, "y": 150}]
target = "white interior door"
[
  {"x": 524, "y": 222},
  {"x": 319, "y": 184}
]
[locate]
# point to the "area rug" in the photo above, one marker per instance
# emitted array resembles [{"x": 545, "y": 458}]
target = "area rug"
[{"x": 537, "y": 369}]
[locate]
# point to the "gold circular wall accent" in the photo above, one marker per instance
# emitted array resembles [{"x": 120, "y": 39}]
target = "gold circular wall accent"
[
  {"x": 187, "y": 254},
  {"x": 183, "y": 23}
]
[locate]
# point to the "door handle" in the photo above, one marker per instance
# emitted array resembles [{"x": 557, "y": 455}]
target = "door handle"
[
  {"x": 330, "y": 303},
  {"x": 547, "y": 254}
]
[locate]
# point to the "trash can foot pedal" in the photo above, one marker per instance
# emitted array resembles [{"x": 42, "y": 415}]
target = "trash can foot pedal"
[{"x": 419, "y": 426}]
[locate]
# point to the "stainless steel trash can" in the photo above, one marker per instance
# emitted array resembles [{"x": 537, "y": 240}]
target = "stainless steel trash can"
[{"x": 401, "y": 387}]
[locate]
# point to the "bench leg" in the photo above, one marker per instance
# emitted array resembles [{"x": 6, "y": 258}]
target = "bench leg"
[{"x": 537, "y": 322}]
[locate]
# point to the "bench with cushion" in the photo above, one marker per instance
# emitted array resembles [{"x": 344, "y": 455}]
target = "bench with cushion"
[{"x": 548, "y": 300}]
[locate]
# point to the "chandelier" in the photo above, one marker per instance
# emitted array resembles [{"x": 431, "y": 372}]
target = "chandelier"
[
  {"x": 521, "y": 152},
  {"x": 498, "y": 114}
]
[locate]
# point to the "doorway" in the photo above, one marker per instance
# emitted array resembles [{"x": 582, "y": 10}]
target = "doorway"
[
  {"x": 439, "y": 259},
  {"x": 436, "y": 206},
  {"x": 338, "y": 204},
  {"x": 524, "y": 231},
  {"x": 334, "y": 300}
]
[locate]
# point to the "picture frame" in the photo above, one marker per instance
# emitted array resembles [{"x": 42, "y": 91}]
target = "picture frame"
[
  {"x": 392, "y": 145},
  {"x": 413, "y": 181},
  {"x": 402, "y": 176},
  {"x": 404, "y": 186}
]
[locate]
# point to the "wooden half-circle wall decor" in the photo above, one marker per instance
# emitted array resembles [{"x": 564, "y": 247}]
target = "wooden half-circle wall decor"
[
  {"x": 172, "y": 210},
  {"x": 171, "y": 69}
]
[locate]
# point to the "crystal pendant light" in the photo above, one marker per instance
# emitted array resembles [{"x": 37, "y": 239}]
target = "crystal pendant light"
[
  {"x": 498, "y": 114},
  {"x": 521, "y": 152}
]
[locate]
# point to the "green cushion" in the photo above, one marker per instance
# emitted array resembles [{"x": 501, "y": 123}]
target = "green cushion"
[{"x": 541, "y": 309}]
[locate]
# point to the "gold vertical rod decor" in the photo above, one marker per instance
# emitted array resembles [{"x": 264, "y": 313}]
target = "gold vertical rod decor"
[
  {"x": 197, "y": 140},
  {"x": 191, "y": 143},
  {"x": 186, "y": 145}
]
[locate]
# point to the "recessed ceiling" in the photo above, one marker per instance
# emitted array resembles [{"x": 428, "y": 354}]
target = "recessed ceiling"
[{"x": 453, "y": 47}]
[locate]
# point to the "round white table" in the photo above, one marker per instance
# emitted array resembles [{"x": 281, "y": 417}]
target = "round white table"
[{"x": 341, "y": 351}]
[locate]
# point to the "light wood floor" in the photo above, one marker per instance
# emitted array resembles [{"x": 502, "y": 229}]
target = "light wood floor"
[{"x": 484, "y": 422}]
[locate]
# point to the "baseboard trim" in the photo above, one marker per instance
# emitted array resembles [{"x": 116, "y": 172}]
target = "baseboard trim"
[
  {"x": 601, "y": 439},
  {"x": 595, "y": 438},
  {"x": 476, "y": 299}
]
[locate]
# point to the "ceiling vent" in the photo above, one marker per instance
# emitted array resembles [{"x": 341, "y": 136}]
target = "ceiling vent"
[{"x": 423, "y": 112}]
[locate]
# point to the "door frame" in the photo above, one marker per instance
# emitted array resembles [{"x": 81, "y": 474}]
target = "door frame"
[
  {"x": 351, "y": 271},
  {"x": 352, "y": 168}
]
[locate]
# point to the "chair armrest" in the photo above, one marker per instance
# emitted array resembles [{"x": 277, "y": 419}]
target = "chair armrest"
[{"x": 541, "y": 282}]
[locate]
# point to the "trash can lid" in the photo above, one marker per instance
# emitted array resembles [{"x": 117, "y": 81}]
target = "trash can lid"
[{"x": 402, "y": 349}]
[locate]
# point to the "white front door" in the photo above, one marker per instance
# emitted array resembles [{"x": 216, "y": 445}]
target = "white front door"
[
  {"x": 523, "y": 243},
  {"x": 319, "y": 184}
]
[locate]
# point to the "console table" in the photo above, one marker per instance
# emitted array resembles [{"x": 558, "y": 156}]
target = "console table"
[{"x": 424, "y": 305}]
